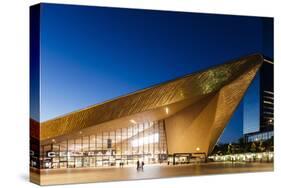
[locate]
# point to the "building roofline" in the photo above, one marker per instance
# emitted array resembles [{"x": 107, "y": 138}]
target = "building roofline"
[
  {"x": 154, "y": 86},
  {"x": 268, "y": 61}
]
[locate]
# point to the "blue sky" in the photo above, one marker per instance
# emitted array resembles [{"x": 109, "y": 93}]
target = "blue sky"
[{"x": 91, "y": 54}]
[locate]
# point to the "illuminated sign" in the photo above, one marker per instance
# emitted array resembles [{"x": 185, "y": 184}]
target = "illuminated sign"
[{"x": 51, "y": 154}]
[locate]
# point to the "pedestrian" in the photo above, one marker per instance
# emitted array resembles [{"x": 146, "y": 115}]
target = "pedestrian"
[
  {"x": 142, "y": 164},
  {"x": 138, "y": 165}
]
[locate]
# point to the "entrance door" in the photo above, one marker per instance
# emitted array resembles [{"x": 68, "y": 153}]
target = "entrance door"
[
  {"x": 92, "y": 161},
  {"x": 63, "y": 164},
  {"x": 86, "y": 161},
  {"x": 78, "y": 162}
]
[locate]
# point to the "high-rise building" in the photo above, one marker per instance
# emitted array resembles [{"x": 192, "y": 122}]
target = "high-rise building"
[{"x": 258, "y": 106}]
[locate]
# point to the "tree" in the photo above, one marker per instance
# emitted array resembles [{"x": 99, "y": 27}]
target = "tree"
[
  {"x": 253, "y": 147},
  {"x": 268, "y": 144},
  {"x": 229, "y": 149},
  {"x": 261, "y": 148}
]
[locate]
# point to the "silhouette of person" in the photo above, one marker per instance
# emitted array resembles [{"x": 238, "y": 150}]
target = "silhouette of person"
[{"x": 138, "y": 165}]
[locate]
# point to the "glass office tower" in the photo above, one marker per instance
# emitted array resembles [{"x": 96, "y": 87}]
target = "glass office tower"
[{"x": 259, "y": 106}]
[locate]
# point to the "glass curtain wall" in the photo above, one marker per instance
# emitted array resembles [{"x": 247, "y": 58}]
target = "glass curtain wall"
[{"x": 125, "y": 146}]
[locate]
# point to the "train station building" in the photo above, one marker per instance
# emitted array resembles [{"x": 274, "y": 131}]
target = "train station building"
[{"x": 172, "y": 121}]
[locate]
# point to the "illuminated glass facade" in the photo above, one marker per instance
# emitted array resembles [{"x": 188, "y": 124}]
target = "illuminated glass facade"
[
  {"x": 144, "y": 142},
  {"x": 260, "y": 136}
]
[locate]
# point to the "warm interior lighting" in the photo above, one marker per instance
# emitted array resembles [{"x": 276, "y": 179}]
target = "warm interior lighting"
[
  {"x": 133, "y": 121},
  {"x": 270, "y": 121},
  {"x": 80, "y": 132},
  {"x": 146, "y": 140},
  {"x": 197, "y": 149},
  {"x": 53, "y": 140},
  {"x": 167, "y": 110}
]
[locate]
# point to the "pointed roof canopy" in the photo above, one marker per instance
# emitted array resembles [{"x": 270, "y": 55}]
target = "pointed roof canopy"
[{"x": 190, "y": 88}]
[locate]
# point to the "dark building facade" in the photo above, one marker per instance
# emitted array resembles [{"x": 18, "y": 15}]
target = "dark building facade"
[{"x": 259, "y": 118}]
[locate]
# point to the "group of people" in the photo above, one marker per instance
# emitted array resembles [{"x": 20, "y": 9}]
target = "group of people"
[
  {"x": 121, "y": 164},
  {"x": 140, "y": 165}
]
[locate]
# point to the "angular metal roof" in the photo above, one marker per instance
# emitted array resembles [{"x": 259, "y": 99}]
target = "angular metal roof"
[{"x": 189, "y": 88}]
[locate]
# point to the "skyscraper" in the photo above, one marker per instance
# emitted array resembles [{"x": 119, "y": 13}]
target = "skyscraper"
[{"x": 258, "y": 106}]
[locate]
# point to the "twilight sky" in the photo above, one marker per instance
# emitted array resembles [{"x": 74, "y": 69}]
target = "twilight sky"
[{"x": 91, "y": 54}]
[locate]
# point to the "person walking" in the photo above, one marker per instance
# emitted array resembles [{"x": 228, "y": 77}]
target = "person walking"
[
  {"x": 138, "y": 165},
  {"x": 142, "y": 164}
]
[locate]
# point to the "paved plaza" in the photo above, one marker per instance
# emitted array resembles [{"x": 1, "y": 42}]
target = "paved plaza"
[{"x": 84, "y": 175}]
